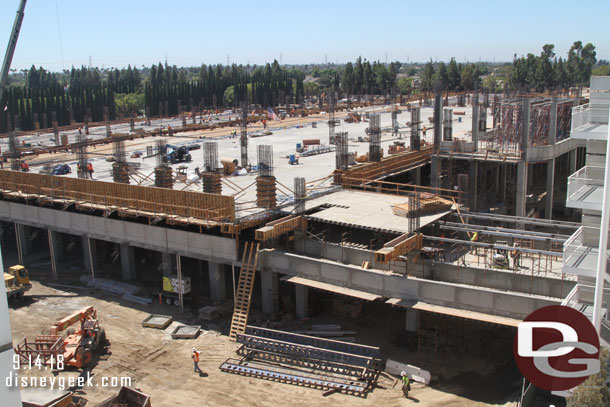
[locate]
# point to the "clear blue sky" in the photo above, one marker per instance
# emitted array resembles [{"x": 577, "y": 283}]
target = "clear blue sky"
[{"x": 191, "y": 32}]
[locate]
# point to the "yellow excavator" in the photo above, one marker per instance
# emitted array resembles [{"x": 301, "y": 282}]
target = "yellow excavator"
[{"x": 17, "y": 282}]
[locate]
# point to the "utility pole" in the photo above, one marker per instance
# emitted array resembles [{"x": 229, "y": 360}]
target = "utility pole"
[{"x": 10, "y": 49}]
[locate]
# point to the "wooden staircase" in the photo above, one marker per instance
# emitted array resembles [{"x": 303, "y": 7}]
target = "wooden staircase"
[{"x": 243, "y": 296}]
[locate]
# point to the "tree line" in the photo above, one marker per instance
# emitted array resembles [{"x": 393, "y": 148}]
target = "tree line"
[{"x": 163, "y": 89}]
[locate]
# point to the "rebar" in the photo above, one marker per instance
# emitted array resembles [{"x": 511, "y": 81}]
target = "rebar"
[
  {"x": 448, "y": 125},
  {"x": 341, "y": 150},
  {"x": 243, "y": 140},
  {"x": 300, "y": 193},
  {"x": 210, "y": 156},
  {"x": 374, "y": 137},
  {"x": 161, "y": 152},
  {"x": 13, "y": 152},
  {"x": 81, "y": 154},
  {"x": 265, "y": 160}
]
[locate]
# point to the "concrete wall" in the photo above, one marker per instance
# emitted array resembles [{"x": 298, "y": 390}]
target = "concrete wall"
[
  {"x": 346, "y": 255},
  {"x": 501, "y": 280},
  {"x": 545, "y": 153},
  {"x": 486, "y": 300},
  {"x": 196, "y": 245}
]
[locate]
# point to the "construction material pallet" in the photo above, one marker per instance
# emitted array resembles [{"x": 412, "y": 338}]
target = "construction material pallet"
[{"x": 320, "y": 382}]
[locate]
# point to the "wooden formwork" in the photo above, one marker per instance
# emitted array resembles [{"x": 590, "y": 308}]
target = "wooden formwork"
[
  {"x": 280, "y": 227},
  {"x": 109, "y": 194},
  {"x": 389, "y": 165}
]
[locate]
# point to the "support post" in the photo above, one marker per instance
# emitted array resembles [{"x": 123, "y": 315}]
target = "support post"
[
  {"x": 180, "y": 282},
  {"x": 52, "y": 254},
  {"x": 128, "y": 262},
  {"x": 434, "y": 172},
  {"x": 475, "y": 121},
  {"x": 521, "y": 188},
  {"x": 90, "y": 255},
  {"x": 167, "y": 264},
  {"x": 472, "y": 184},
  {"x": 218, "y": 290},
  {"x": 602, "y": 258},
  {"x": 302, "y": 301},
  {"x": 24, "y": 245},
  {"x": 270, "y": 291},
  {"x": 411, "y": 320},
  {"x": 550, "y": 184}
]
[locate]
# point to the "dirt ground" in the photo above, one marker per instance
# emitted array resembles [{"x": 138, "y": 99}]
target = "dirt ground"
[{"x": 162, "y": 368}]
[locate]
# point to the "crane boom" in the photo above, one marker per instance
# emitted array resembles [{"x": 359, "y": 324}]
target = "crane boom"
[{"x": 10, "y": 49}]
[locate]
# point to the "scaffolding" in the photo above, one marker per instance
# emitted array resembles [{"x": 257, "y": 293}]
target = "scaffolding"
[{"x": 374, "y": 137}]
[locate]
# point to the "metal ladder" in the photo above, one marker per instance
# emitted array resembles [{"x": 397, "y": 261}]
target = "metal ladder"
[{"x": 243, "y": 295}]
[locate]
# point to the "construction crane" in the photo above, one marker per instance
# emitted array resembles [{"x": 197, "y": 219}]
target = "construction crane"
[
  {"x": 12, "y": 43},
  {"x": 76, "y": 348}
]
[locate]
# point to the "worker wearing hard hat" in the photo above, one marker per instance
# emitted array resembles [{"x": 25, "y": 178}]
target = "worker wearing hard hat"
[
  {"x": 195, "y": 358},
  {"x": 406, "y": 383}
]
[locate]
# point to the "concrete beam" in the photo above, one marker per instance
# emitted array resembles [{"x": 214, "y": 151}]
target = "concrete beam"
[
  {"x": 157, "y": 238},
  {"x": 218, "y": 287},
  {"x": 128, "y": 262},
  {"x": 302, "y": 301},
  {"x": 393, "y": 285}
]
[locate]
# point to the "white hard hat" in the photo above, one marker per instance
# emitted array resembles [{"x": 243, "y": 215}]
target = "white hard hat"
[
  {"x": 194, "y": 350},
  {"x": 403, "y": 373}
]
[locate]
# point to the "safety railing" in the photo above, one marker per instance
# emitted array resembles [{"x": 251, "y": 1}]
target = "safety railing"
[
  {"x": 585, "y": 115},
  {"x": 582, "y": 183}
]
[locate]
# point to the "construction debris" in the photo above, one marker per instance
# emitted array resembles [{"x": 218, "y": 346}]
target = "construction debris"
[{"x": 428, "y": 205}]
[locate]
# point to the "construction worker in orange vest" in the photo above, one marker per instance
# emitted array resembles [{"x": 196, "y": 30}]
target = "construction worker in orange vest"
[
  {"x": 195, "y": 358},
  {"x": 90, "y": 169}
]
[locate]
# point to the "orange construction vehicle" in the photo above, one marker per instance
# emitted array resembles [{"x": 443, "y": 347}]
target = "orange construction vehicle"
[{"x": 76, "y": 348}]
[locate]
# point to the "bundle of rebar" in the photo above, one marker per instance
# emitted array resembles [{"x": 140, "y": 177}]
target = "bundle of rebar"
[
  {"x": 265, "y": 160},
  {"x": 341, "y": 151},
  {"x": 415, "y": 128},
  {"x": 210, "y": 156},
  {"x": 243, "y": 140},
  {"x": 300, "y": 193}
]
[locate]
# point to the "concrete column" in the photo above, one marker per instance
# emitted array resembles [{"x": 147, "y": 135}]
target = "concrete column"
[
  {"x": 218, "y": 291},
  {"x": 573, "y": 159},
  {"x": 418, "y": 176},
  {"x": 473, "y": 177},
  {"x": 24, "y": 245},
  {"x": 302, "y": 300},
  {"x": 475, "y": 121},
  {"x": 90, "y": 254},
  {"x": 521, "y": 188},
  {"x": 411, "y": 320},
  {"x": 525, "y": 130},
  {"x": 128, "y": 262},
  {"x": 167, "y": 261},
  {"x": 434, "y": 172},
  {"x": 58, "y": 244},
  {"x": 270, "y": 291},
  {"x": 553, "y": 122},
  {"x": 550, "y": 183},
  {"x": 504, "y": 170}
]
